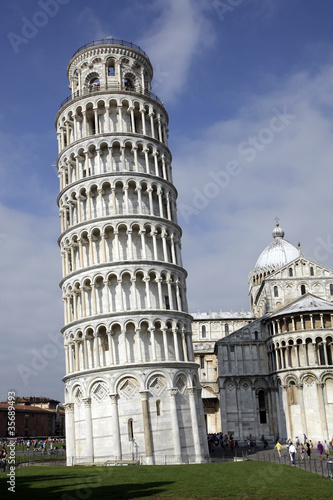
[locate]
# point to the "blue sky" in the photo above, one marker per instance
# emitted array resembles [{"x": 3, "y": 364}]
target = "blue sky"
[{"x": 248, "y": 88}]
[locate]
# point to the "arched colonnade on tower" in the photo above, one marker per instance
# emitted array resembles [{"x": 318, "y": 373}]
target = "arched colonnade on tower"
[
  {"x": 130, "y": 290},
  {"x": 136, "y": 341},
  {"x": 118, "y": 115},
  {"x": 109, "y": 199},
  {"x": 119, "y": 242}
]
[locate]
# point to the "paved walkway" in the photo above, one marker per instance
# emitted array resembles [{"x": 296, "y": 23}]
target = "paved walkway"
[{"x": 270, "y": 454}]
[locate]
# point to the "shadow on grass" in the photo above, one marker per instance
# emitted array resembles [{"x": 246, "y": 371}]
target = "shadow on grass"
[{"x": 90, "y": 486}]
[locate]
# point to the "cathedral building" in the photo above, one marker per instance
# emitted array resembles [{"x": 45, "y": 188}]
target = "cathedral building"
[
  {"x": 274, "y": 375},
  {"x": 131, "y": 385}
]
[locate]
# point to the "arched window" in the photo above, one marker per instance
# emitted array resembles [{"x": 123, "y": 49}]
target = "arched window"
[
  {"x": 93, "y": 83},
  {"x": 203, "y": 331},
  {"x": 226, "y": 329},
  {"x": 291, "y": 271},
  {"x": 130, "y": 430},
  {"x": 129, "y": 85},
  {"x": 303, "y": 290},
  {"x": 262, "y": 407},
  {"x": 276, "y": 291},
  {"x": 158, "y": 407},
  {"x": 111, "y": 68},
  {"x": 256, "y": 335},
  {"x": 331, "y": 289},
  {"x": 311, "y": 271},
  {"x": 292, "y": 393}
]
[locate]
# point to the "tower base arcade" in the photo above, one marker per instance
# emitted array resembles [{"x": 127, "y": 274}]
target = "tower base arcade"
[{"x": 148, "y": 414}]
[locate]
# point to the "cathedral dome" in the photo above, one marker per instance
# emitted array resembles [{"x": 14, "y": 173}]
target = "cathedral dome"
[{"x": 276, "y": 254}]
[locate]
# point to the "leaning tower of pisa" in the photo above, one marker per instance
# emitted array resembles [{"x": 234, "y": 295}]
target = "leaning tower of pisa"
[{"x": 131, "y": 384}]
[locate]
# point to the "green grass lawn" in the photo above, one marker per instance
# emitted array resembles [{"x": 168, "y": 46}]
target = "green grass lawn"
[{"x": 242, "y": 480}]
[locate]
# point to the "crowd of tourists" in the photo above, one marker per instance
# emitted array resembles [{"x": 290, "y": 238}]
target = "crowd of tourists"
[
  {"x": 34, "y": 445},
  {"x": 221, "y": 440},
  {"x": 305, "y": 448}
]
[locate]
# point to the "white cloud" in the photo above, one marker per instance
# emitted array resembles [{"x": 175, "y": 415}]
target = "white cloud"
[
  {"x": 94, "y": 28},
  {"x": 31, "y": 305},
  {"x": 289, "y": 177},
  {"x": 177, "y": 37}
]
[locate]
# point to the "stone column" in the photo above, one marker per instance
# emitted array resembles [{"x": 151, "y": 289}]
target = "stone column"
[
  {"x": 151, "y": 116},
  {"x": 155, "y": 162},
  {"x": 175, "y": 342},
  {"x": 131, "y": 109},
  {"x": 139, "y": 342},
  {"x": 71, "y": 368},
  {"x": 70, "y": 433},
  {"x": 110, "y": 360},
  {"x": 146, "y": 428},
  {"x": 178, "y": 299},
  {"x": 195, "y": 427},
  {"x": 96, "y": 346},
  {"x": 184, "y": 345},
  {"x": 67, "y": 358},
  {"x": 168, "y": 281},
  {"x": 286, "y": 410},
  {"x": 129, "y": 245},
  {"x": 175, "y": 425},
  {"x": 164, "y": 244},
  {"x": 86, "y": 354},
  {"x": 143, "y": 244},
  {"x": 160, "y": 202},
  {"x": 325, "y": 352},
  {"x": 147, "y": 280},
  {"x": 125, "y": 190},
  {"x": 138, "y": 189},
  {"x": 188, "y": 337},
  {"x": 135, "y": 154},
  {"x": 301, "y": 404},
  {"x": 109, "y": 167},
  {"x": 77, "y": 358},
  {"x": 146, "y": 160},
  {"x": 89, "y": 453},
  {"x": 154, "y": 233},
  {"x": 82, "y": 355},
  {"x": 224, "y": 409},
  {"x": 160, "y": 297},
  {"x": 115, "y": 426},
  {"x": 165, "y": 344},
  {"x": 322, "y": 410},
  {"x": 153, "y": 345},
  {"x": 278, "y": 411}
]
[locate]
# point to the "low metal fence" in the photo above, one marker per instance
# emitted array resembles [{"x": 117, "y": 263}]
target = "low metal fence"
[{"x": 314, "y": 464}]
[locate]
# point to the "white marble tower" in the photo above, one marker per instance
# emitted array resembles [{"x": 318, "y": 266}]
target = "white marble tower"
[{"x": 131, "y": 384}]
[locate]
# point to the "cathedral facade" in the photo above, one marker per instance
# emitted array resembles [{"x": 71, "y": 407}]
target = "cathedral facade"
[{"x": 274, "y": 375}]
